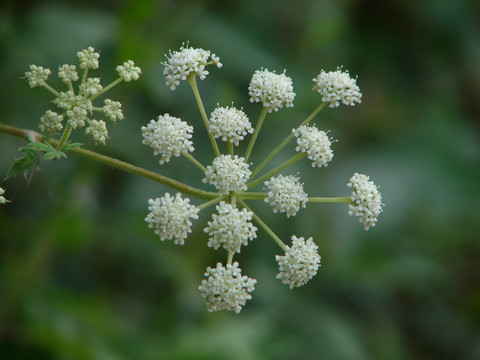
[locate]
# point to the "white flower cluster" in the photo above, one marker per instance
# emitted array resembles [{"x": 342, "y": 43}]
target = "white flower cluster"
[
  {"x": 180, "y": 64},
  {"x": 128, "y": 71},
  {"x": 300, "y": 262},
  {"x": 228, "y": 173},
  {"x": 336, "y": 87},
  {"x": 225, "y": 288},
  {"x": 230, "y": 124},
  {"x": 168, "y": 136},
  {"x": 315, "y": 143},
  {"x": 2, "y": 199},
  {"x": 98, "y": 131},
  {"x": 230, "y": 228},
  {"x": 366, "y": 199},
  {"x": 51, "y": 122},
  {"x": 285, "y": 194},
  {"x": 78, "y": 107},
  {"x": 170, "y": 217},
  {"x": 37, "y": 76},
  {"x": 271, "y": 89}
]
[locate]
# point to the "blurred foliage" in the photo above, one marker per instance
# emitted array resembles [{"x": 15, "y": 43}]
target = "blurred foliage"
[{"x": 81, "y": 276}]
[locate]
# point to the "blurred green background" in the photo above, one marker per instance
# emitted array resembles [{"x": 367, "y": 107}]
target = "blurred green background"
[{"x": 81, "y": 275}]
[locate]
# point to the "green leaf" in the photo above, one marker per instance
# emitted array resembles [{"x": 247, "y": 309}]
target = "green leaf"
[
  {"x": 71, "y": 146},
  {"x": 54, "y": 154},
  {"x": 27, "y": 164}
]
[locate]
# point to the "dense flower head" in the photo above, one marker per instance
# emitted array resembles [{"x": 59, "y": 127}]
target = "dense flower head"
[
  {"x": 88, "y": 58},
  {"x": 91, "y": 87},
  {"x": 68, "y": 73},
  {"x": 2, "y": 199},
  {"x": 315, "y": 143},
  {"x": 271, "y": 89},
  {"x": 230, "y": 124},
  {"x": 300, "y": 262},
  {"x": 337, "y": 86},
  {"x": 230, "y": 228},
  {"x": 98, "y": 131},
  {"x": 168, "y": 136},
  {"x": 37, "y": 76},
  {"x": 128, "y": 71},
  {"x": 225, "y": 288},
  {"x": 170, "y": 217},
  {"x": 77, "y": 108},
  {"x": 51, "y": 122},
  {"x": 180, "y": 64},
  {"x": 113, "y": 110},
  {"x": 285, "y": 194},
  {"x": 366, "y": 199},
  {"x": 228, "y": 173}
]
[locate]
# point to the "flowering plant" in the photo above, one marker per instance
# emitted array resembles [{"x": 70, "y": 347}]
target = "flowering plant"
[{"x": 230, "y": 175}]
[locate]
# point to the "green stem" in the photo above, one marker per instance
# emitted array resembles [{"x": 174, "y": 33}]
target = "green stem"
[
  {"x": 52, "y": 90},
  {"x": 255, "y": 133},
  {"x": 84, "y": 78},
  {"x": 251, "y": 196},
  {"x": 105, "y": 89},
  {"x": 230, "y": 258},
  {"x": 63, "y": 140},
  {"x": 265, "y": 227},
  {"x": 287, "y": 139},
  {"x": 194, "y": 161},
  {"x": 230, "y": 147},
  {"x": 211, "y": 202},
  {"x": 192, "y": 80},
  {"x": 345, "y": 199},
  {"x": 276, "y": 170},
  {"x": 118, "y": 164}
]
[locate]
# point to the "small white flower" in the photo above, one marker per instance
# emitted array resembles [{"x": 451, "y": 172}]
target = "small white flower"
[
  {"x": 271, "y": 89},
  {"x": 285, "y": 194},
  {"x": 227, "y": 174},
  {"x": 367, "y": 200},
  {"x": 77, "y": 108},
  {"x": 68, "y": 73},
  {"x": 230, "y": 228},
  {"x": 187, "y": 61},
  {"x": 315, "y": 143},
  {"x": 91, "y": 87},
  {"x": 88, "y": 58},
  {"x": 128, "y": 71},
  {"x": 113, "y": 110},
  {"x": 98, "y": 131},
  {"x": 336, "y": 87},
  {"x": 300, "y": 262},
  {"x": 37, "y": 76},
  {"x": 2, "y": 199},
  {"x": 168, "y": 136},
  {"x": 225, "y": 288},
  {"x": 170, "y": 217},
  {"x": 51, "y": 122},
  {"x": 230, "y": 124}
]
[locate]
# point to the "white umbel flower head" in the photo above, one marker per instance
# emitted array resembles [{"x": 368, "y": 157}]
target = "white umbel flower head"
[
  {"x": 98, "y": 131},
  {"x": 367, "y": 200},
  {"x": 271, "y": 89},
  {"x": 2, "y": 199},
  {"x": 300, "y": 262},
  {"x": 168, "y": 136},
  {"x": 51, "y": 122},
  {"x": 91, "y": 87},
  {"x": 68, "y": 73},
  {"x": 77, "y": 108},
  {"x": 230, "y": 124},
  {"x": 170, "y": 217},
  {"x": 228, "y": 173},
  {"x": 225, "y": 288},
  {"x": 187, "y": 61},
  {"x": 113, "y": 110},
  {"x": 285, "y": 194},
  {"x": 37, "y": 76},
  {"x": 88, "y": 58},
  {"x": 128, "y": 71},
  {"x": 230, "y": 228},
  {"x": 337, "y": 86},
  {"x": 315, "y": 143}
]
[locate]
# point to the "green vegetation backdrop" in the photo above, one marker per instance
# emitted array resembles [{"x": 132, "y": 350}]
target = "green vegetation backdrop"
[{"x": 81, "y": 276}]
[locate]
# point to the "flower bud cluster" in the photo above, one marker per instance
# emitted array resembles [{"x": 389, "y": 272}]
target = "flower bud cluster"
[
  {"x": 2, "y": 199},
  {"x": 271, "y": 89},
  {"x": 315, "y": 143},
  {"x": 285, "y": 194},
  {"x": 337, "y": 86},
  {"x": 366, "y": 200},
  {"x": 77, "y": 107}
]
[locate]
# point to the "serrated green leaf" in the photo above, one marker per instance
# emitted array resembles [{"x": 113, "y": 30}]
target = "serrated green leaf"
[
  {"x": 71, "y": 146},
  {"x": 27, "y": 164},
  {"x": 55, "y": 154},
  {"x": 45, "y": 147}
]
